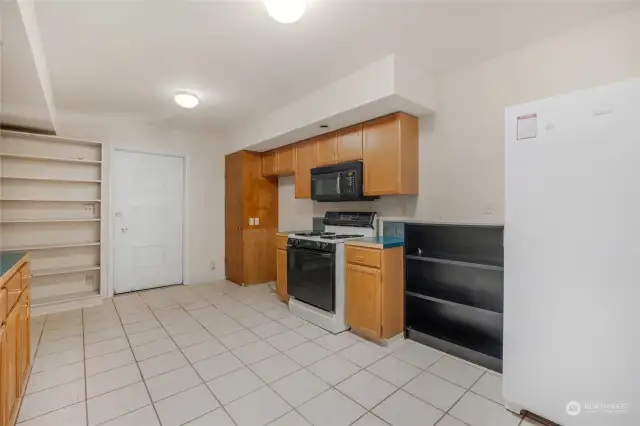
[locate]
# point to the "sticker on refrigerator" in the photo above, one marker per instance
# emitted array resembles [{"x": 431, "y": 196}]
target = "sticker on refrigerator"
[{"x": 527, "y": 126}]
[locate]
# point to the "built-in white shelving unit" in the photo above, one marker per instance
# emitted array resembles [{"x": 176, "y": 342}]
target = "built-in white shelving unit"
[{"x": 50, "y": 206}]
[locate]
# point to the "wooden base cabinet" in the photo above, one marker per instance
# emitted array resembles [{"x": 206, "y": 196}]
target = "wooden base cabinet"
[
  {"x": 281, "y": 267},
  {"x": 375, "y": 291},
  {"x": 15, "y": 350},
  {"x": 281, "y": 278}
]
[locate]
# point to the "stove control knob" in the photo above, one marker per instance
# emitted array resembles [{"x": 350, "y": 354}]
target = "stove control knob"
[
  {"x": 294, "y": 242},
  {"x": 324, "y": 245}
]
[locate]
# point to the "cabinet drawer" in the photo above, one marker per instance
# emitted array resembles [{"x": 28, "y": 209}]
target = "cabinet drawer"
[
  {"x": 14, "y": 288},
  {"x": 281, "y": 242},
  {"x": 364, "y": 256},
  {"x": 3, "y": 305}
]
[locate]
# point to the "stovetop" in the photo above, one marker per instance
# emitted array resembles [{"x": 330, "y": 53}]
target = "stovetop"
[
  {"x": 328, "y": 235},
  {"x": 313, "y": 234},
  {"x": 341, "y": 236}
]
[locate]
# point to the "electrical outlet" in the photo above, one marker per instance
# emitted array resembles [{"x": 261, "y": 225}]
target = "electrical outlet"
[
  {"x": 212, "y": 265},
  {"x": 257, "y": 221},
  {"x": 251, "y": 221},
  {"x": 489, "y": 209}
]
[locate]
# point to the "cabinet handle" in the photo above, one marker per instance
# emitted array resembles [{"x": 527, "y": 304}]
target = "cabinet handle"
[
  {"x": 26, "y": 277},
  {"x": 359, "y": 257}
]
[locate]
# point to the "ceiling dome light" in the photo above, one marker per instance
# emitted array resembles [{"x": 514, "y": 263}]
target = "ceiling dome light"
[
  {"x": 286, "y": 11},
  {"x": 186, "y": 100}
]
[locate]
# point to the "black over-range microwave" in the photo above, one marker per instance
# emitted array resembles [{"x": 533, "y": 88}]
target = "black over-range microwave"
[{"x": 342, "y": 182}]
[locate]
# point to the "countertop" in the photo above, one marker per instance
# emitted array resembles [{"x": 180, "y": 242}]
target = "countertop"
[
  {"x": 377, "y": 242},
  {"x": 9, "y": 260}
]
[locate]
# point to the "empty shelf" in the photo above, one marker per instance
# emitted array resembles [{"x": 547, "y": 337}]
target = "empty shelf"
[
  {"x": 27, "y": 221},
  {"x": 448, "y": 302},
  {"x": 40, "y": 200},
  {"x": 64, "y": 298},
  {"x": 67, "y": 270},
  {"x": 456, "y": 262},
  {"x": 46, "y": 180},
  {"x": 44, "y": 158},
  {"x": 48, "y": 247},
  {"x": 50, "y": 138}
]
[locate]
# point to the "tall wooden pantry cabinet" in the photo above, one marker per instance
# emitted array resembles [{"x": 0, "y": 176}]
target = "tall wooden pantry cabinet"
[{"x": 251, "y": 220}]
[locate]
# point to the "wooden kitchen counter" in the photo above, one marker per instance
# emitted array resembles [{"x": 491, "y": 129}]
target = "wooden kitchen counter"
[{"x": 15, "y": 333}]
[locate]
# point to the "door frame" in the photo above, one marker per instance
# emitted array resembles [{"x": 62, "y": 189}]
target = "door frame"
[{"x": 186, "y": 160}]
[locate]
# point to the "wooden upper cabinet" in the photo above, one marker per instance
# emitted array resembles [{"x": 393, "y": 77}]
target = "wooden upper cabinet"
[
  {"x": 390, "y": 155},
  {"x": 269, "y": 164},
  {"x": 286, "y": 160},
  {"x": 279, "y": 162},
  {"x": 350, "y": 144},
  {"x": 306, "y": 159},
  {"x": 327, "y": 149}
]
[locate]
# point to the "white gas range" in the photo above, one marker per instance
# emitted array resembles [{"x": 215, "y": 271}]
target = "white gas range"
[{"x": 315, "y": 268}]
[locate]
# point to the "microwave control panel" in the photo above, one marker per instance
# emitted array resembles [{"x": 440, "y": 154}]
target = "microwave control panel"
[{"x": 351, "y": 182}]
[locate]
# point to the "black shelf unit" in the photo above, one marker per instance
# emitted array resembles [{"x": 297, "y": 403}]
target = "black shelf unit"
[{"x": 454, "y": 285}]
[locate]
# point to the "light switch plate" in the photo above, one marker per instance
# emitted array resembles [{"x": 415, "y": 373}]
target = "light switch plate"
[
  {"x": 257, "y": 221},
  {"x": 251, "y": 221}
]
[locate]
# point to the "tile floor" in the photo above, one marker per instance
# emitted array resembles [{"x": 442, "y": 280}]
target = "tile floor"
[{"x": 219, "y": 354}]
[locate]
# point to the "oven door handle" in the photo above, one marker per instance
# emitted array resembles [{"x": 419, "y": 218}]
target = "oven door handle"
[
  {"x": 338, "y": 182},
  {"x": 315, "y": 253}
]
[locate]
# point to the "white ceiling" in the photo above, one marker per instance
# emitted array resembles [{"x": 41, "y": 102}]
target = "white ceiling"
[{"x": 129, "y": 57}]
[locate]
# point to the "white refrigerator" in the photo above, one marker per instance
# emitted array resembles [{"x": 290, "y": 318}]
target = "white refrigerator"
[{"x": 572, "y": 257}]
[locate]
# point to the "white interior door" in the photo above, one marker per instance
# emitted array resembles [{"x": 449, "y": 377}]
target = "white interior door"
[{"x": 148, "y": 220}]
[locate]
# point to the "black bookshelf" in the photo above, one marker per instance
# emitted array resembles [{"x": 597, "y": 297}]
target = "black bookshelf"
[{"x": 454, "y": 285}]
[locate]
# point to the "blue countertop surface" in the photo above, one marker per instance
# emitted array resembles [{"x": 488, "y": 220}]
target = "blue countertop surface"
[
  {"x": 7, "y": 260},
  {"x": 385, "y": 242}
]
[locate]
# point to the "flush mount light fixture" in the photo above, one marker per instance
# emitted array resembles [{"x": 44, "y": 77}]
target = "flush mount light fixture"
[
  {"x": 286, "y": 11},
  {"x": 186, "y": 100}
]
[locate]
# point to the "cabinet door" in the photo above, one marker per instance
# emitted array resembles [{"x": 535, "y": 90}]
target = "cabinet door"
[
  {"x": 269, "y": 167},
  {"x": 350, "y": 144},
  {"x": 281, "y": 280},
  {"x": 363, "y": 299},
  {"x": 24, "y": 356},
  {"x": 306, "y": 159},
  {"x": 234, "y": 217},
  {"x": 286, "y": 160},
  {"x": 328, "y": 149},
  {"x": 381, "y": 155},
  {"x": 10, "y": 358}
]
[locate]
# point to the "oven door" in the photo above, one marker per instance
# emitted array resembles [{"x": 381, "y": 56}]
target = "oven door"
[{"x": 311, "y": 277}]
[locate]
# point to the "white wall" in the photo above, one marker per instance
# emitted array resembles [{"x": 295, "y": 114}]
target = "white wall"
[
  {"x": 461, "y": 146},
  {"x": 204, "y": 180}
]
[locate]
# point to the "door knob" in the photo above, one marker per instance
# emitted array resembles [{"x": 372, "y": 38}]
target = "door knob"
[{"x": 125, "y": 229}]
